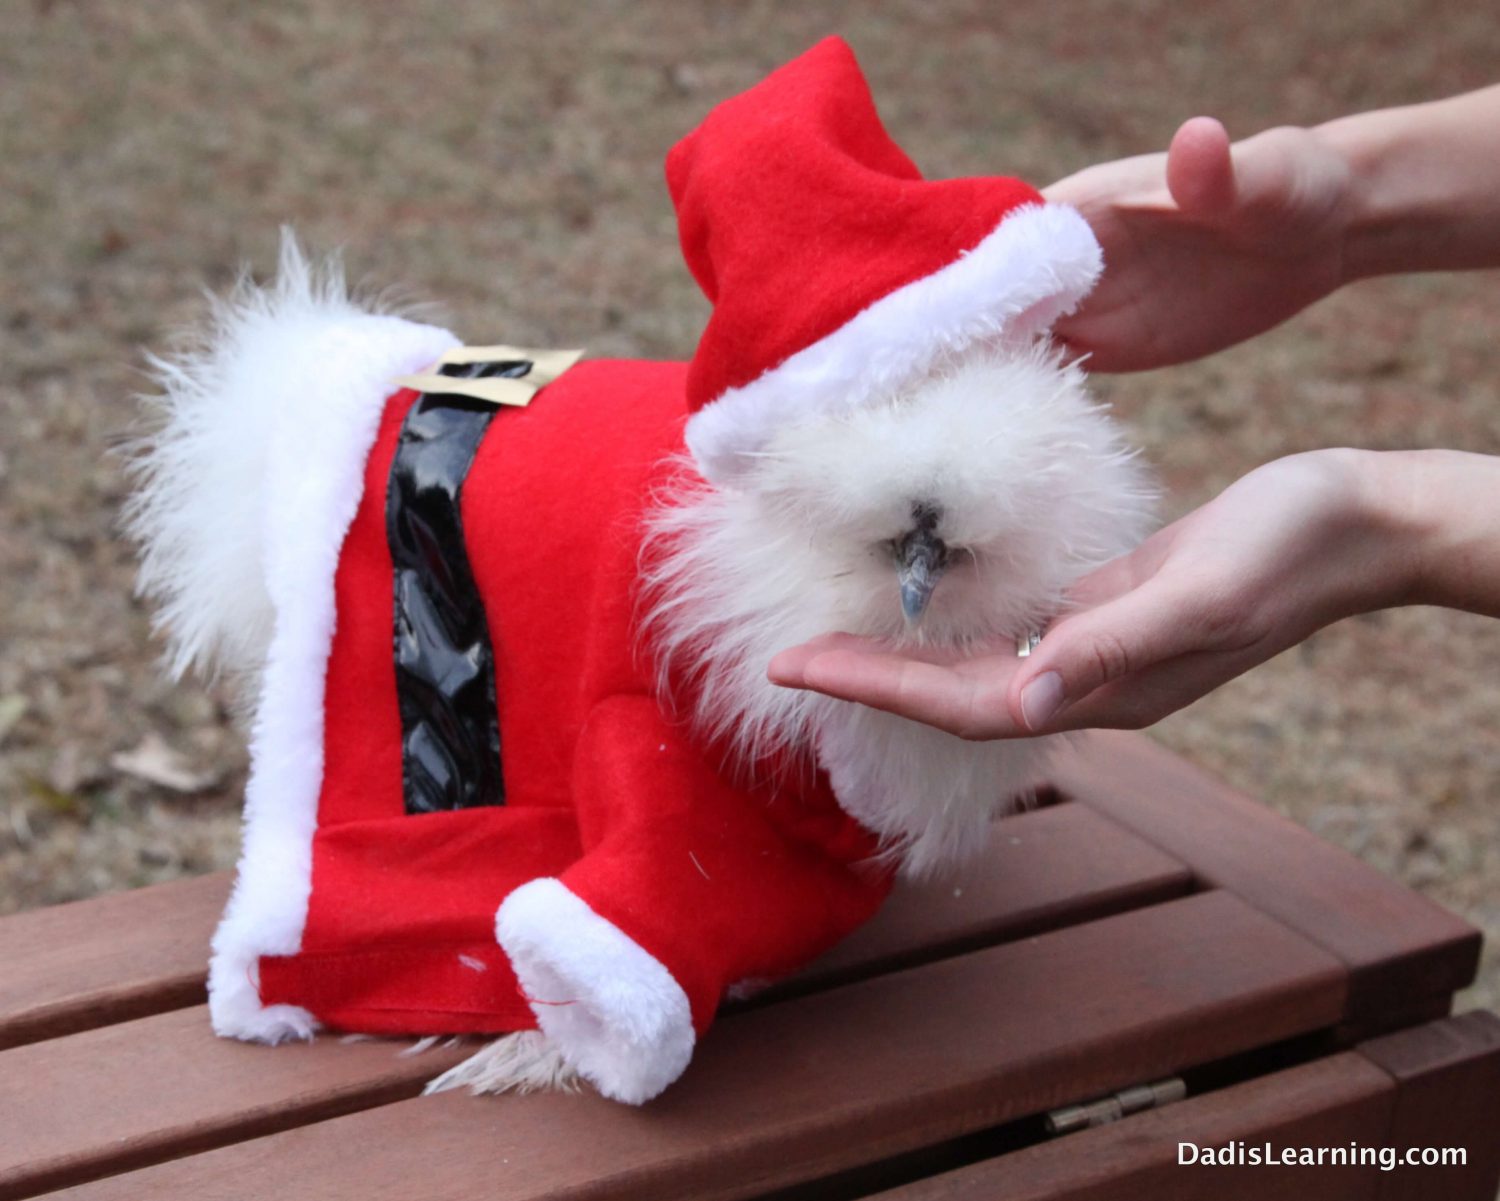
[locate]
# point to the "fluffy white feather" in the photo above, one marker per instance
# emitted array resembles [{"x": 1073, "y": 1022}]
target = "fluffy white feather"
[
  {"x": 524, "y": 1062},
  {"x": 199, "y": 509},
  {"x": 1035, "y": 485}
]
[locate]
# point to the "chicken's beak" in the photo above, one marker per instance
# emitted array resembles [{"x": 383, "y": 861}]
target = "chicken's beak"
[{"x": 921, "y": 558}]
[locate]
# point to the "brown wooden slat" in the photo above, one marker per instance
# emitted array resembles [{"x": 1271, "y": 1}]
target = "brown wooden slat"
[
  {"x": 1044, "y": 869},
  {"x": 86, "y": 964},
  {"x": 110, "y": 959},
  {"x": 127, "y": 1094},
  {"x": 1327, "y": 1103},
  {"x": 1448, "y": 1078},
  {"x": 792, "y": 1091},
  {"x": 1418, "y": 1011},
  {"x": 1397, "y": 945}
]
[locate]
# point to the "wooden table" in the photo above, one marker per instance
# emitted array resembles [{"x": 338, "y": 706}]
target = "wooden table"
[{"x": 1147, "y": 923}]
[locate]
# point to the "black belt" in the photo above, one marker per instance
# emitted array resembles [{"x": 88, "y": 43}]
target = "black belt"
[{"x": 445, "y": 660}]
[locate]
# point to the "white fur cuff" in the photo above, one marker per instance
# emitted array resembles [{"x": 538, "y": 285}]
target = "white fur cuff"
[{"x": 612, "y": 1010}]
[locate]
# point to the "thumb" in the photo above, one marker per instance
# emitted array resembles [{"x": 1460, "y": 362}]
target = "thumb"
[
  {"x": 1087, "y": 650},
  {"x": 1200, "y": 169}
]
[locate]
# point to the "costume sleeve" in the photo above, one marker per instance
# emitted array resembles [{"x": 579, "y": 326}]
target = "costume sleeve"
[{"x": 687, "y": 885}]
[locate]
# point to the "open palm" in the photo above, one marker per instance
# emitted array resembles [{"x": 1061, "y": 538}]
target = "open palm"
[{"x": 1280, "y": 553}]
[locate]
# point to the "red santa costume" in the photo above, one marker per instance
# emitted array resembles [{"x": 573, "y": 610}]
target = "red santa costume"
[{"x": 469, "y": 810}]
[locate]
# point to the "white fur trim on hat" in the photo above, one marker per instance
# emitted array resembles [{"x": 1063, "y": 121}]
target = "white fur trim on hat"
[
  {"x": 611, "y": 1008},
  {"x": 1033, "y": 268}
]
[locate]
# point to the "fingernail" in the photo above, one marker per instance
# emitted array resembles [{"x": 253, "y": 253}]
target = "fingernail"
[
  {"x": 1041, "y": 699},
  {"x": 780, "y": 670}
]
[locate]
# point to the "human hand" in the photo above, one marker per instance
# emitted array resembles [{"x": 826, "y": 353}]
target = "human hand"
[
  {"x": 1207, "y": 244},
  {"x": 1291, "y": 547}
]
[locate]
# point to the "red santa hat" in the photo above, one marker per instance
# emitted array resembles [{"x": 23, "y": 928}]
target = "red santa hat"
[{"x": 837, "y": 273}]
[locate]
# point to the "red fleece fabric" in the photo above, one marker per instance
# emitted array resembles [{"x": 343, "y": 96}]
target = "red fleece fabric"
[
  {"x": 717, "y": 882},
  {"x": 797, "y": 211}
]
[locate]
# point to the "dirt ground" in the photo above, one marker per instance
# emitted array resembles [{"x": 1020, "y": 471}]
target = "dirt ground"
[{"x": 504, "y": 160}]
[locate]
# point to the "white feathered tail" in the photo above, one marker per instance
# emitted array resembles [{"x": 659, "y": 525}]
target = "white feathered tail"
[{"x": 227, "y": 391}]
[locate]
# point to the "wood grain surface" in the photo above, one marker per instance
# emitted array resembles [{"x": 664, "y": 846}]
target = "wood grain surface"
[
  {"x": 1449, "y": 1077},
  {"x": 1328, "y": 1102},
  {"x": 812, "y": 1086},
  {"x": 1151, "y": 922},
  {"x": 108, "y": 959},
  {"x": 113, "y": 958},
  {"x": 1397, "y": 945},
  {"x": 1044, "y": 869},
  {"x": 132, "y": 1093}
]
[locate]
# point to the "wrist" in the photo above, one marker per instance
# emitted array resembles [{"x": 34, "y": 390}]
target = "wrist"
[
  {"x": 1396, "y": 524},
  {"x": 1423, "y": 183},
  {"x": 1363, "y": 145},
  {"x": 1361, "y": 536},
  {"x": 1443, "y": 507}
]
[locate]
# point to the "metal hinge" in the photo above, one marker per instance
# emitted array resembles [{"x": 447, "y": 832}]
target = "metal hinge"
[{"x": 1135, "y": 1099}]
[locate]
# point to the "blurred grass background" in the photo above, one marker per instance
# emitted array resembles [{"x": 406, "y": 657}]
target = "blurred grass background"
[{"x": 504, "y": 160}]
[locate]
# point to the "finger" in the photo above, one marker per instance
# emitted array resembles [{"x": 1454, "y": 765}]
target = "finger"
[
  {"x": 1284, "y": 170},
  {"x": 1145, "y": 697},
  {"x": 787, "y": 666},
  {"x": 1095, "y": 647},
  {"x": 1200, "y": 170},
  {"x": 968, "y": 704},
  {"x": 1113, "y": 579},
  {"x": 1124, "y": 573},
  {"x": 1129, "y": 181}
]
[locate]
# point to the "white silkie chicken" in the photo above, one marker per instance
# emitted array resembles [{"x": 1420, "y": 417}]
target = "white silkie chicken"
[
  {"x": 952, "y": 514},
  {"x": 879, "y": 438}
]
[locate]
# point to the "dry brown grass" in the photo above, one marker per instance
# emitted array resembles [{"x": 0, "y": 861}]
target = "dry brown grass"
[{"x": 504, "y": 158}]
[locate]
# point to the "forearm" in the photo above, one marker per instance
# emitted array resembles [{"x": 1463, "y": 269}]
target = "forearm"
[
  {"x": 1424, "y": 185},
  {"x": 1443, "y": 509}
]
